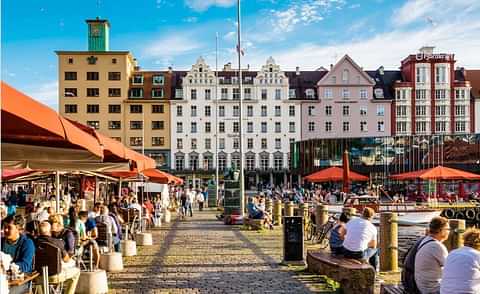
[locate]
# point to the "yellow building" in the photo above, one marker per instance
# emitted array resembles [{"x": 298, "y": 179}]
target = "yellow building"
[{"x": 107, "y": 91}]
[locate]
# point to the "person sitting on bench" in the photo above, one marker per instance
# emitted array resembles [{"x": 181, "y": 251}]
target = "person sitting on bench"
[
  {"x": 337, "y": 235},
  {"x": 254, "y": 212}
]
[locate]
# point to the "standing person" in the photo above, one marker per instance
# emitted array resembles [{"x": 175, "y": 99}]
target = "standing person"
[
  {"x": 461, "y": 273},
  {"x": 190, "y": 201},
  {"x": 183, "y": 203},
  {"x": 361, "y": 238},
  {"x": 205, "y": 196},
  {"x": 12, "y": 203},
  {"x": 200, "y": 200},
  {"x": 431, "y": 255}
]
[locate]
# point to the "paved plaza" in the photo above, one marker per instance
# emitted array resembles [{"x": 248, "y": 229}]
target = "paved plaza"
[{"x": 202, "y": 255}]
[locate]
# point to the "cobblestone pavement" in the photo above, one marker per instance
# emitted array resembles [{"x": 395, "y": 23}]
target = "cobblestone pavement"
[{"x": 201, "y": 255}]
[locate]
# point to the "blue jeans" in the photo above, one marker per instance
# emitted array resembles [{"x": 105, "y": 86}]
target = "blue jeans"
[{"x": 370, "y": 254}]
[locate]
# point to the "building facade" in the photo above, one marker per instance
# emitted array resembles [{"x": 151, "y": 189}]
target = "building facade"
[
  {"x": 208, "y": 103},
  {"x": 474, "y": 77},
  {"x": 432, "y": 97}
]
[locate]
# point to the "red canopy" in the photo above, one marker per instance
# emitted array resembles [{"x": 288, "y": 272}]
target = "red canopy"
[
  {"x": 334, "y": 174},
  {"x": 153, "y": 175},
  {"x": 437, "y": 173},
  {"x": 9, "y": 174}
]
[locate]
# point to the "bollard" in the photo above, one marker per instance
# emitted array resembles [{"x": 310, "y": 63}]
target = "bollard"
[
  {"x": 289, "y": 208},
  {"x": 388, "y": 241},
  {"x": 304, "y": 212},
  {"x": 455, "y": 238},
  {"x": 277, "y": 212},
  {"x": 350, "y": 211},
  {"x": 268, "y": 205},
  {"x": 321, "y": 215}
]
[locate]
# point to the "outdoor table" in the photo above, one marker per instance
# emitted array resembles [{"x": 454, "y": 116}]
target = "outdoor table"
[{"x": 12, "y": 284}]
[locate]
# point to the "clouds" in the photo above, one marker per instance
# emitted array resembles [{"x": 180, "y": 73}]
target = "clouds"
[
  {"x": 46, "y": 93},
  {"x": 173, "y": 45},
  {"x": 202, "y": 5}
]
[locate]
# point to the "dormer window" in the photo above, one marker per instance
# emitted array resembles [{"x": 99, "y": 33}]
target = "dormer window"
[
  {"x": 92, "y": 60},
  {"x": 378, "y": 93},
  {"x": 271, "y": 70},
  {"x": 345, "y": 76},
  {"x": 310, "y": 93},
  {"x": 334, "y": 80},
  {"x": 200, "y": 69}
]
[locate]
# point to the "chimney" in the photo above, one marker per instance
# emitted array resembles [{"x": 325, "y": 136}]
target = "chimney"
[
  {"x": 136, "y": 67},
  {"x": 169, "y": 69},
  {"x": 331, "y": 66},
  {"x": 297, "y": 70},
  {"x": 227, "y": 67},
  {"x": 381, "y": 70}
]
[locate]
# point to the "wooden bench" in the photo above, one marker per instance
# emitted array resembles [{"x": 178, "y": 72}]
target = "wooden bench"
[
  {"x": 256, "y": 224},
  {"x": 354, "y": 276},
  {"x": 392, "y": 289}
]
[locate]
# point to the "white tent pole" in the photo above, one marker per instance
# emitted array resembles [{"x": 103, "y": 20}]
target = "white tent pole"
[{"x": 57, "y": 192}]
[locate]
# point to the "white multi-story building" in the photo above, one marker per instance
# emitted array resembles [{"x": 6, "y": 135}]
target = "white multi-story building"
[{"x": 271, "y": 123}]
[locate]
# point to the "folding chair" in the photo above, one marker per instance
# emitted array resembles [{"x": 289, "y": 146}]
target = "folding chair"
[{"x": 48, "y": 261}]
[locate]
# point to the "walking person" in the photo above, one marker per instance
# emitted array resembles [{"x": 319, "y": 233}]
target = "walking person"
[
  {"x": 200, "y": 200},
  {"x": 183, "y": 203},
  {"x": 190, "y": 200}
]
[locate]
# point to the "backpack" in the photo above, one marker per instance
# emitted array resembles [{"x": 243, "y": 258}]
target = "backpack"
[{"x": 408, "y": 272}]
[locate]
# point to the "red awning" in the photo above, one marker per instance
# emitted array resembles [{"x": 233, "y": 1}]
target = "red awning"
[
  {"x": 9, "y": 174},
  {"x": 437, "y": 173},
  {"x": 334, "y": 174}
]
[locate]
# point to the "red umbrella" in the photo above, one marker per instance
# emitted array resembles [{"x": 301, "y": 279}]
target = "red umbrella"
[
  {"x": 334, "y": 174},
  {"x": 437, "y": 173}
]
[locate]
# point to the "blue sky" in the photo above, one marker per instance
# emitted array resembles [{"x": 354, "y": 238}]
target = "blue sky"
[{"x": 305, "y": 33}]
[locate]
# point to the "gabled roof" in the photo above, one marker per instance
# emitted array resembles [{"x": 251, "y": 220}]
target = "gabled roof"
[
  {"x": 355, "y": 65},
  {"x": 474, "y": 77},
  {"x": 303, "y": 81}
]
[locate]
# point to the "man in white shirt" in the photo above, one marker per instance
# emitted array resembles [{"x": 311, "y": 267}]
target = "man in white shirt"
[
  {"x": 431, "y": 255},
  {"x": 361, "y": 238},
  {"x": 461, "y": 273}
]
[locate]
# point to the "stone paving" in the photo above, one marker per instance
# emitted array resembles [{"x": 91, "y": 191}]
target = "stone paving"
[{"x": 202, "y": 255}]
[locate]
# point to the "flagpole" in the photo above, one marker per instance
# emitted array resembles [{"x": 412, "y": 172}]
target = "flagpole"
[
  {"x": 239, "y": 52},
  {"x": 216, "y": 117}
]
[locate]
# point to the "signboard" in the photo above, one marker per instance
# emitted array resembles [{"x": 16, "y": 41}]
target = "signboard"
[
  {"x": 212, "y": 194},
  {"x": 231, "y": 199}
]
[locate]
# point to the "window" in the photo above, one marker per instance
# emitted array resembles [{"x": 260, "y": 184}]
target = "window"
[
  {"x": 460, "y": 94},
  {"x": 346, "y": 126},
  {"x": 440, "y": 94},
  {"x": 291, "y": 110},
  {"x": 221, "y": 127},
  {"x": 114, "y": 61},
  {"x": 70, "y": 61},
  {"x": 114, "y": 125},
  {"x": 328, "y": 110},
  {"x": 421, "y": 94},
  {"x": 278, "y": 94},
  {"x": 93, "y": 108},
  {"x": 222, "y": 162},
  {"x": 263, "y": 127},
  {"x": 441, "y": 74},
  {"x": 381, "y": 126},
  {"x": 193, "y": 94},
  {"x": 311, "y": 126},
  {"x": 221, "y": 143},
  {"x": 158, "y": 125},
  {"x": 221, "y": 111},
  {"x": 179, "y": 110},
  {"x": 208, "y": 94},
  {"x": 401, "y": 94},
  {"x": 291, "y": 127},
  {"x": 328, "y": 94},
  {"x": 346, "y": 110},
  {"x": 114, "y": 92},
  {"x": 193, "y": 143},
  {"x": 328, "y": 126},
  {"x": 278, "y": 162},
  {"x": 460, "y": 126},
  {"x": 193, "y": 110},
  {"x": 420, "y": 110},
  {"x": 92, "y": 76},
  {"x": 158, "y": 79},
  {"x": 363, "y": 126},
  {"x": 440, "y": 110},
  {"x": 310, "y": 93},
  {"x": 158, "y": 141},
  {"x": 114, "y": 76},
  {"x": 311, "y": 108},
  {"x": 94, "y": 124},
  {"x": 292, "y": 93},
  {"x": 236, "y": 93},
  {"x": 380, "y": 110},
  {"x": 157, "y": 93},
  {"x": 263, "y": 110},
  {"x": 92, "y": 60},
  {"x": 249, "y": 110},
  {"x": 402, "y": 127},
  {"x": 136, "y": 93},
  {"x": 236, "y": 127},
  {"x": 263, "y": 143},
  {"x": 208, "y": 127},
  {"x": 264, "y": 161},
  {"x": 363, "y": 110},
  {"x": 236, "y": 110},
  {"x": 93, "y": 92},
  {"x": 278, "y": 110},
  {"x": 249, "y": 143},
  {"x": 345, "y": 93},
  {"x": 179, "y": 143},
  {"x": 70, "y": 108},
  {"x": 136, "y": 124},
  {"x": 235, "y": 160},
  {"x": 224, "y": 93},
  {"x": 249, "y": 127},
  {"x": 136, "y": 108},
  {"x": 278, "y": 127},
  {"x": 70, "y": 75},
  {"x": 460, "y": 110},
  {"x": 158, "y": 108},
  {"x": 136, "y": 141},
  {"x": 247, "y": 93},
  {"x": 137, "y": 80},
  {"x": 421, "y": 126},
  {"x": 345, "y": 75},
  {"x": 208, "y": 143},
  {"x": 278, "y": 143},
  {"x": 114, "y": 108},
  {"x": 193, "y": 127},
  {"x": 250, "y": 161},
  {"x": 236, "y": 143},
  {"x": 363, "y": 94},
  {"x": 421, "y": 74},
  {"x": 179, "y": 162},
  {"x": 264, "y": 94},
  {"x": 440, "y": 126},
  {"x": 179, "y": 127},
  {"x": 70, "y": 92},
  {"x": 401, "y": 111},
  {"x": 179, "y": 93}
]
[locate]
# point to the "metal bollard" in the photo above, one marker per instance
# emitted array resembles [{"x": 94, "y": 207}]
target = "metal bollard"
[
  {"x": 303, "y": 207},
  {"x": 321, "y": 215},
  {"x": 388, "y": 241},
  {"x": 277, "y": 212},
  {"x": 289, "y": 208},
  {"x": 455, "y": 238},
  {"x": 268, "y": 205}
]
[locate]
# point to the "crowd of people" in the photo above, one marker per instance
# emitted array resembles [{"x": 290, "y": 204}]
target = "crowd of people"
[{"x": 186, "y": 199}]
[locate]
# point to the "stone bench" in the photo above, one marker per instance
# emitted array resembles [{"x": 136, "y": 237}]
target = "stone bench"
[
  {"x": 256, "y": 224},
  {"x": 392, "y": 289},
  {"x": 354, "y": 276}
]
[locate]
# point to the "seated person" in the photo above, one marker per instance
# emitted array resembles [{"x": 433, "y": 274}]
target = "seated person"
[
  {"x": 253, "y": 210},
  {"x": 361, "y": 238},
  {"x": 70, "y": 273},
  {"x": 337, "y": 234},
  {"x": 104, "y": 217},
  {"x": 88, "y": 235},
  {"x": 66, "y": 235}
]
